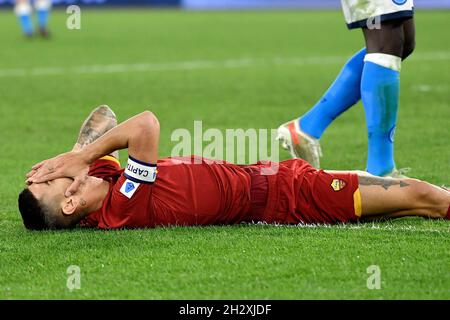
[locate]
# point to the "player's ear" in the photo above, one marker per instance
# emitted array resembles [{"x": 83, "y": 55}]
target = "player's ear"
[{"x": 69, "y": 206}]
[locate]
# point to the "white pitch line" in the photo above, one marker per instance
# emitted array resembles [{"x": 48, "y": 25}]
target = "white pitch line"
[
  {"x": 366, "y": 226},
  {"x": 195, "y": 65}
]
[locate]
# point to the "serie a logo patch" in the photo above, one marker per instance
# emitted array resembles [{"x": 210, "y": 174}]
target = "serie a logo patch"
[
  {"x": 129, "y": 188},
  {"x": 338, "y": 184}
]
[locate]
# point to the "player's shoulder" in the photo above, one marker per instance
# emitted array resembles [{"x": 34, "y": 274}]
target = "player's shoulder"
[
  {"x": 105, "y": 166},
  {"x": 107, "y": 161}
]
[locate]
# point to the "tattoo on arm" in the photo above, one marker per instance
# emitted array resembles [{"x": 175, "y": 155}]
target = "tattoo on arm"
[
  {"x": 87, "y": 135},
  {"x": 382, "y": 182},
  {"x": 97, "y": 124}
]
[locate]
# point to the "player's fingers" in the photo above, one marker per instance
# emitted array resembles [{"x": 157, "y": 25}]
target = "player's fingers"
[
  {"x": 45, "y": 170},
  {"x": 73, "y": 188},
  {"x": 39, "y": 178},
  {"x": 38, "y": 165},
  {"x": 38, "y": 175},
  {"x": 31, "y": 173},
  {"x": 29, "y": 177}
]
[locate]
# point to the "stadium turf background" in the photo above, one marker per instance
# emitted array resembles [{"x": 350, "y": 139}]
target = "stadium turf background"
[{"x": 231, "y": 70}]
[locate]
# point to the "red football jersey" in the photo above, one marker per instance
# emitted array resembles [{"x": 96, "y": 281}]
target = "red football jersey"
[
  {"x": 206, "y": 193},
  {"x": 183, "y": 194}
]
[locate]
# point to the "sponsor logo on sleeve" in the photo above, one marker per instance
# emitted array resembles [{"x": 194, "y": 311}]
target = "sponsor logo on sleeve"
[{"x": 129, "y": 188}]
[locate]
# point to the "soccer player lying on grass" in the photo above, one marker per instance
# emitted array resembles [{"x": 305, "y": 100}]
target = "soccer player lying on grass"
[{"x": 87, "y": 187}]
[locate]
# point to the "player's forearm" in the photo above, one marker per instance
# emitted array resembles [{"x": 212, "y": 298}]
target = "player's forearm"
[{"x": 140, "y": 134}]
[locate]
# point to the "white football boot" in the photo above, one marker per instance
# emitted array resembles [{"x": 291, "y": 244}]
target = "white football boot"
[{"x": 299, "y": 144}]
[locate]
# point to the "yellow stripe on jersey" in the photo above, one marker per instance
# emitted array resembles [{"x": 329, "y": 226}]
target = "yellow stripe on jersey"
[
  {"x": 357, "y": 202},
  {"x": 110, "y": 158}
]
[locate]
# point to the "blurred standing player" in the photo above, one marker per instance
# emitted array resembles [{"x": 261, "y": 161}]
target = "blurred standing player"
[
  {"x": 373, "y": 75},
  {"x": 24, "y": 10}
]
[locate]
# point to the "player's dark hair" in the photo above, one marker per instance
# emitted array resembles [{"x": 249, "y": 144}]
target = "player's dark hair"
[
  {"x": 36, "y": 215},
  {"x": 33, "y": 215}
]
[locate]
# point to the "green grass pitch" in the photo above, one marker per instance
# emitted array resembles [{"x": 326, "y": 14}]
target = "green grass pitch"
[{"x": 231, "y": 70}]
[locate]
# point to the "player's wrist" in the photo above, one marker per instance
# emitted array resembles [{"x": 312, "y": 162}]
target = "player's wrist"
[{"x": 87, "y": 155}]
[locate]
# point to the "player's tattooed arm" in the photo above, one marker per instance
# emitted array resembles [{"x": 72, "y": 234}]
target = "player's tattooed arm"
[
  {"x": 100, "y": 121},
  {"x": 385, "y": 183}
]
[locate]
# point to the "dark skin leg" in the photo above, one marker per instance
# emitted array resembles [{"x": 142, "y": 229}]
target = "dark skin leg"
[
  {"x": 396, "y": 37},
  {"x": 409, "y": 44}
]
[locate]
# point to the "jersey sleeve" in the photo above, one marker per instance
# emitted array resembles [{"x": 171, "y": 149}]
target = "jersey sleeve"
[
  {"x": 104, "y": 167},
  {"x": 129, "y": 204}
]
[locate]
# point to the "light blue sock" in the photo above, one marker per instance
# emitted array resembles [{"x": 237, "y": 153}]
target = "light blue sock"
[
  {"x": 23, "y": 11},
  {"x": 342, "y": 94},
  {"x": 380, "y": 88},
  {"x": 42, "y": 17},
  {"x": 26, "y": 24},
  {"x": 43, "y": 10}
]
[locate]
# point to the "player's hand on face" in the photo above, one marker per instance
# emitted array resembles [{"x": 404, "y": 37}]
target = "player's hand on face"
[
  {"x": 29, "y": 175},
  {"x": 67, "y": 165}
]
